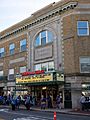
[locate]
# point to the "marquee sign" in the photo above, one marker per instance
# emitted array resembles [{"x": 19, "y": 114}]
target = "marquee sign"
[{"x": 35, "y": 78}]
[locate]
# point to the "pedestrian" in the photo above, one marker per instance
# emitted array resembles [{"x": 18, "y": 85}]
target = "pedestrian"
[
  {"x": 18, "y": 101},
  {"x": 58, "y": 101},
  {"x": 49, "y": 100},
  {"x": 13, "y": 103},
  {"x": 43, "y": 102},
  {"x": 82, "y": 101},
  {"x": 27, "y": 103}
]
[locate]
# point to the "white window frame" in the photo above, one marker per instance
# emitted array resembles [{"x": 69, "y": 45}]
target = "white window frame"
[
  {"x": 23, "y": 69},
  {"x": 11, "y": 71}
]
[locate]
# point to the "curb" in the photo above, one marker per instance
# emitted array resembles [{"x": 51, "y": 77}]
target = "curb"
[{"x": 48, "y": 110}]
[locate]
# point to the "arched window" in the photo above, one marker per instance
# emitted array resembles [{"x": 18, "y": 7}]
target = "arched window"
[{"x": 43, "y": 38}]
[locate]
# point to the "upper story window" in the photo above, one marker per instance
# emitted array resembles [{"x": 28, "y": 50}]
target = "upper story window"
[
  {"x": 43, "y": 38},
  {"x": 82, "y": 28},
  {"x": 22, "y": 69},
  {"x": 85, "y": 64},
  {"x": 2, "y": 52},
  {"x": 48, "y": 66},
  {"x": 23, "y": 45},
  {"x": 12, "y": 48}
]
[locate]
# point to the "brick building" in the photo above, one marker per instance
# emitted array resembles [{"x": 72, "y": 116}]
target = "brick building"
[{"x": 54, "y": 39}]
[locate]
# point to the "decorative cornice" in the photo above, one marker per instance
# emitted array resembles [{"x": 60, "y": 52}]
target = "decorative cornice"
[{"x": 56, "y": 12}]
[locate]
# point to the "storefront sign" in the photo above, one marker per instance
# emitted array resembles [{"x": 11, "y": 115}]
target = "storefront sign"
[
  {"x": 60, "y": 77},
  {"x": 35, "y": 78},
  {"x": 32, "y": 73}
]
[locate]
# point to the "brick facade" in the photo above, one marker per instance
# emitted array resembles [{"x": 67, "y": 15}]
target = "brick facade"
[{"x": 67, "y": 47}]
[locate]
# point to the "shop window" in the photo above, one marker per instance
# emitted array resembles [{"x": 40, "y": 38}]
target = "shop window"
[
  {"x": 23, "y": 45},
  {"x": 12, "y": 48},
  {"x": 43, "y": 38},
  {"x": 82, "y": 28},
  {"x": 85, "y": 64},
  {"x": 2, "y": 52}
]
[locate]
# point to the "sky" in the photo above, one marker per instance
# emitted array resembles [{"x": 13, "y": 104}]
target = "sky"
[{"x": 14, "y": 11}]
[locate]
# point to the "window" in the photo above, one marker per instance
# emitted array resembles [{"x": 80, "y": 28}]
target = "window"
[
  {"x": 23, "y": 45},
  {"x": 43, "y": 38},
  {"x": 82, "y": 28},
  {"x": 37, "y": 41},
  {"x": 38, "y": 67},
  {"x": 11, "y": 71},
  {"x": 44, "y": 66},
  {"x": 1, "y": 73},
  {"x": 48, "y": 66},
  {"x": 2, "y": 52},
  {"x": 11, "y": 48},
  {"x": 50, "y": 36},
  {"x": 11, "y": 75},
  {"x": 22, "y": 69},
  {"x": 85, "y": 64}
]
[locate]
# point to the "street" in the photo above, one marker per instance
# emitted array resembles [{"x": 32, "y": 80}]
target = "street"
[{"x": 8, "y": 114}]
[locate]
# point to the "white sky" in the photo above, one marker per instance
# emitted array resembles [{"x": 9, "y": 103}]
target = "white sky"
[{"x": 14, "y": 11}]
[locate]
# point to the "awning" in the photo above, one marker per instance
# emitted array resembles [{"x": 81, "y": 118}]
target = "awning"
[{"x": 42, "y": 83}]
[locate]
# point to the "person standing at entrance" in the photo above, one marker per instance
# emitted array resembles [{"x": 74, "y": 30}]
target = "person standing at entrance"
[
  {"x": 82, "y": 101},
  {"x": 58, "y": 101},
  {"x": 43, "y": 102},
  {"x": 49, "y": 100}
]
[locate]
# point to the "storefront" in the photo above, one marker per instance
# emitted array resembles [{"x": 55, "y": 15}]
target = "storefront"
[{"x": 40, "y": 83}]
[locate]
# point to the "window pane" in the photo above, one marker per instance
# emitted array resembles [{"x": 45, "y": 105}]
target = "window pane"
[
  {"x": 22, "y": 69},
  {"x": 43, "y": 34},
  {"x": 43, "y": 38},
  {"x": 38, "y": 67},
  {"x": 51, "y": 66},
  {"x": 82, "y": 24},
  {"x": 2, "y": 52},
  {"x": 45, "y": 66},
  {"x": 11, "y": 51},
  {"x": 11, "y": 71},
  {"x": 82, "y": 28},
  {"x": 50, "y": 36},
  {"x": 37, "y": 41},
  {"x": 83, "y": 31},
  {"x": 12, "y": 46},
  {"x": 43, "y": 41},
  {"x": 85, "y": 65},
  {"x": 1, "y": 73},
  {"x": 23, "y": 45},
  {"x": 23, "y": 42}
]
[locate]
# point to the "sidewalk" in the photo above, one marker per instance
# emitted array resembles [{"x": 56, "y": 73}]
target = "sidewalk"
[{"x": 62, "y": 111}]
